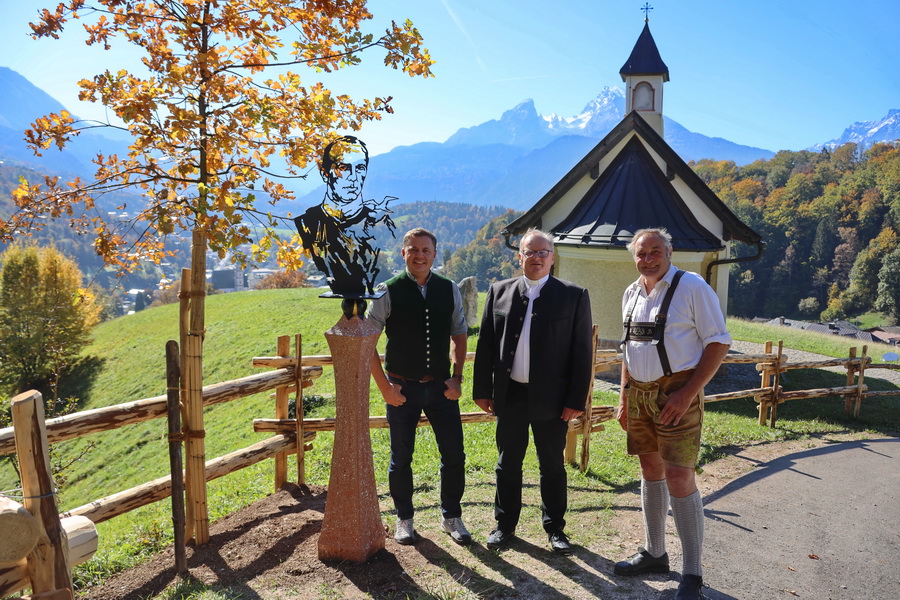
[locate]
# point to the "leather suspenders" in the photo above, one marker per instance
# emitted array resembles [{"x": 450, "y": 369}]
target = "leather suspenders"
[{"x": 652, "y": 331}]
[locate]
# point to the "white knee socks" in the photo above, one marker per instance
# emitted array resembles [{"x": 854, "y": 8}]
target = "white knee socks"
[
  {"x": 688, "y": 513},
  {"x": 655, "y": 504}
]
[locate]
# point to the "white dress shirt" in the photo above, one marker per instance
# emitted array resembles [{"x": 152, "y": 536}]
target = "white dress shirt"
[
  {"x": 695, "y": 320},
  {"x": 522, "y": 359}
]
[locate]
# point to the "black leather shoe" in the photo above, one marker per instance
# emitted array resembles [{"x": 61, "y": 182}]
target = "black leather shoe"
[
  {"x": 690, "y": 588},
  {"x": 499, "y": 539},
  {"x": 642, "y": 562},
  {"x": 559, "y": 543}
]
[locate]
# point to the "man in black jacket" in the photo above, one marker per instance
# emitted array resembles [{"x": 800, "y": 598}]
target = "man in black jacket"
[{"x": 533, "y": 367}]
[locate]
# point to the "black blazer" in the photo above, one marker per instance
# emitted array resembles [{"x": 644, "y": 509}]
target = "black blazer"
[{"x": 561, "y": 346}]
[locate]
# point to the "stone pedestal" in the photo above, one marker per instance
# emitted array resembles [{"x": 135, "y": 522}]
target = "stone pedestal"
[{"x": 352, "y": 528}]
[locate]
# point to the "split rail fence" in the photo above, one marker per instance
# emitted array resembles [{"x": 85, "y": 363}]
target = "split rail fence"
[{"x": 290, "y": 375}]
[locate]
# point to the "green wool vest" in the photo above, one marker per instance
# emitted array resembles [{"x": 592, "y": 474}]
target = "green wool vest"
[{"x": 418, "y": 329}]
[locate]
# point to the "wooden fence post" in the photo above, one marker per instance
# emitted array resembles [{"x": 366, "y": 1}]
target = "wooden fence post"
[
  {"x": 765, "y": 379},
  {"x": 859, "y": 381},
  {"x": 586, "y": 423},
  {"x": 47, "y": 563},
  {"x": 776, "y": 384},
  {"x": 298, "y": 413},
  {"x": 283, "y": 349},
  {"x": 851, "y": 370},
  {"x": 173, "y": 388}
]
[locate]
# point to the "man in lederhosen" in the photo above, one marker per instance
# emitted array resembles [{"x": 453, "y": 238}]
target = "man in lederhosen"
[{"x": 674, "y": 341}]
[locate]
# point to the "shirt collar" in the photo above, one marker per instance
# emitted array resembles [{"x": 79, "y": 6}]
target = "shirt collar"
[
  {"x": 531, "y": 287},
  {"x": 667, "y": 278},
  {"x": 416, "y": 281}
]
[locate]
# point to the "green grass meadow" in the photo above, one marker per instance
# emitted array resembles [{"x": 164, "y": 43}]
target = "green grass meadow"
[{"x": 126, "y": 362}]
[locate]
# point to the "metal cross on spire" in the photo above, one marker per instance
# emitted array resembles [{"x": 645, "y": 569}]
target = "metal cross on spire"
[{"x": 646, "y": 8}]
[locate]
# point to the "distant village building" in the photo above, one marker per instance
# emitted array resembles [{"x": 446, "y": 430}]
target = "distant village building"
[
  {"x": 229, "y": 280},
  {"x": 885, "y": 334},
  {"x": 257, "y": 275},
  {"x": 632, "y": 180}
]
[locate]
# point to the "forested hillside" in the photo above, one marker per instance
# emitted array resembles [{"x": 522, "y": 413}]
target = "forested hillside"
[
  {"x": 487, "y": 256},
  {"x": 830, "y": 221},
  {"x": 452, "y": 223}
]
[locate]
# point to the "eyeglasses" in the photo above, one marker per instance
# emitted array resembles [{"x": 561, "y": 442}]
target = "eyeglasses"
[{"x": 538, "y": 253}]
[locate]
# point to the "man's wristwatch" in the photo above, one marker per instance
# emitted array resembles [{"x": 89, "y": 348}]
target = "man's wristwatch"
[{"x": 457, "y": 376}]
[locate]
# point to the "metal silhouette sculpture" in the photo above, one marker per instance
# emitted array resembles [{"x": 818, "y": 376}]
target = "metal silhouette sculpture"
[{"x": 339, "y": 232}]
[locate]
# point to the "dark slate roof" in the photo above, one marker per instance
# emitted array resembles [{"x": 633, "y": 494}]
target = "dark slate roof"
[
  {"x": 841, "y": 328},
  {"x": 633, "y": 194},
  {"x": 645, "y": 58},
  {"x": 734, "y": 228}
]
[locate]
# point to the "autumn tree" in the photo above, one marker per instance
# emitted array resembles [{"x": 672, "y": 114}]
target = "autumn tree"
[
  {"x": 888, "y": 300},
  {"x": 212, "y": 108},
  {"x": 219, "y": 119},
  {"x": 46, "y": 317},
  {"x": 283, "y": 279}
]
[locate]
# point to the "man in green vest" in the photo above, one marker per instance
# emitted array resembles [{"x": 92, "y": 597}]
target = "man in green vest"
[{"x": 422, "y": 315}]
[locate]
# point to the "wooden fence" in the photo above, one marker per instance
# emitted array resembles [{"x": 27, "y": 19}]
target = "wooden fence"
[{"x": 291, "y": 374}]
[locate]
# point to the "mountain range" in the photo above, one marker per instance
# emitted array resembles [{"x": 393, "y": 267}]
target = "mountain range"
[
  {"x": 511, "y": 161},
  {"x": 20, "y": 104}
]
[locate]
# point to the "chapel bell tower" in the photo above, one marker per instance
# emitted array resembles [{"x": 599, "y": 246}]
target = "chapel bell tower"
[{"x": 644, "y": 74}]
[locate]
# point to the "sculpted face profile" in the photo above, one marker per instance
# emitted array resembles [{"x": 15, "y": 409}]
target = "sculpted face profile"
[{"x": 338, "y": 233}]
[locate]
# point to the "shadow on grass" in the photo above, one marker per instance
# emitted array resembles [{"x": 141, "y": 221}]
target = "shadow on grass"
[{"x": 80, "y": 377}]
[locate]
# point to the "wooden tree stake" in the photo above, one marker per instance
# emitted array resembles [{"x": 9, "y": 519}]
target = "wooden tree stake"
[{"x": 173, "y": 382}]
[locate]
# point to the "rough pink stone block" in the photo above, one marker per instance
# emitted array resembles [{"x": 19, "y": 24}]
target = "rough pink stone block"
[{"x": 352, "y": 528}]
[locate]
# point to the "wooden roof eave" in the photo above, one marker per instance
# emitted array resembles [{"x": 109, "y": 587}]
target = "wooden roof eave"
[
  {"x": 532, "y": 216},
  {"x": 734, "y": 228}
]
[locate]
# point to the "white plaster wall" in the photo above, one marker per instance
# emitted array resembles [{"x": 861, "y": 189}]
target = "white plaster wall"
[{"x": 605, "y": 273}]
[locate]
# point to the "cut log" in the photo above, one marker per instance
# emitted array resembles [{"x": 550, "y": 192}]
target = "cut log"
[
  {"x": 18, "y": 529},
  {"x": 83, "y": 539}
]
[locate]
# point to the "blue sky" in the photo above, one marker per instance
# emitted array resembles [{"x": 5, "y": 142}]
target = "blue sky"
[{"x": 774, "y": 74}]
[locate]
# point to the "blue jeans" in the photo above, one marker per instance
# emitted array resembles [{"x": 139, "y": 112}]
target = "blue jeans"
[{"x": 443, "y": 414}]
